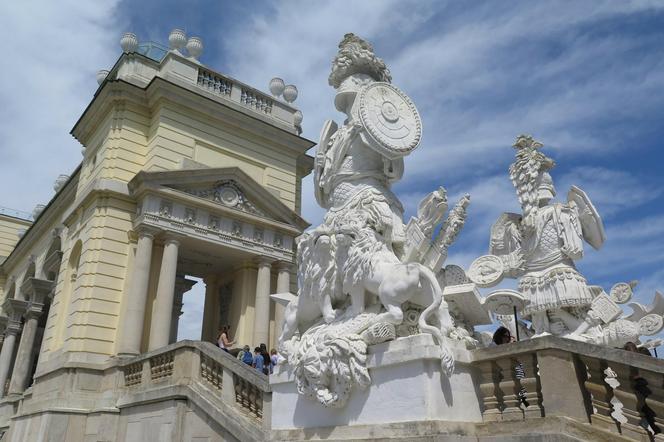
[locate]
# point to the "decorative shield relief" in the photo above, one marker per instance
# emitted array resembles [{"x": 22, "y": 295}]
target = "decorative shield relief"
[
  {"x": 393, "y": 126},
  {"x": 591, "y": 223},
  {"x": 486, "y": 271},
  {"x": 651, "y": 324},
  {"x": 622, "y": 292},
  {"x": 503, "y": 302}
]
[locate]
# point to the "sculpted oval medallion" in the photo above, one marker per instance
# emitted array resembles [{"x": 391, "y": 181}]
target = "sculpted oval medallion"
[
  {"x": 650, "y": 324},
  {"x": 229, "y": 196},
  {"x": 390, "y": 119},
  {"x": 486, "y": 271},
  {"x": 621, "y": 292}
]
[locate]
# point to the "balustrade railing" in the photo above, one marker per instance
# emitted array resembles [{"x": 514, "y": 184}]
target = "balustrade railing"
[
  {"x": 256, "y": 101},
  {"x": 133, "y": 374},
  {"x": 204, "y": 369},
  {"x": 248, "y": 396},
  {"x": 212, "y": 372},
  {"x": 218, "y": 85},
  {"x": 214, "y": 83},
  {"x": 161, "y": 365},
  {"x": 607, "y": 388}
]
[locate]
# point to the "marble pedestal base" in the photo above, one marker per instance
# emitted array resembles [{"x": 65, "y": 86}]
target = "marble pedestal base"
[{"x": 407, "y": 386}]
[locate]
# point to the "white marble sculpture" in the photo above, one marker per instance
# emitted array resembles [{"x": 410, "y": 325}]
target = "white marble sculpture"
[
  {"x": 540, "y": 247},
  {"x": 362, "y": 266}
]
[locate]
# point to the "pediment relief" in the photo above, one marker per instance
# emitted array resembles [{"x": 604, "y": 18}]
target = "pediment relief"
[
  {"x": 228, "y": 187},
  {"x": 227, "y": 193}
]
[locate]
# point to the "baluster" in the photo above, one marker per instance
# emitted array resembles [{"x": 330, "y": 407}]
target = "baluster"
[
  {"x": 627, "y": 396},
  {"x": 491, "y": 396},
  {"x": 532, "y": 387},
  {"x": 601, "y": 394},
  {"x": 510, "y": 389},
  {"x": 655, "y": 400}
]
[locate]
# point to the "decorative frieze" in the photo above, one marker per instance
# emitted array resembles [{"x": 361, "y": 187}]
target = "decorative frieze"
[{"x": 166, "y": 209}]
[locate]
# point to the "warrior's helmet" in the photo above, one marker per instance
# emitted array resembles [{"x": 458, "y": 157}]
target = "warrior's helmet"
[
  {"x": 354, "y": 66},
  {"x": 529, "y": 173}
]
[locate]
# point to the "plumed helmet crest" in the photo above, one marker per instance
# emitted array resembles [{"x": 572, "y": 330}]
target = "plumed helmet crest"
[{"x": 356, "y": 56}]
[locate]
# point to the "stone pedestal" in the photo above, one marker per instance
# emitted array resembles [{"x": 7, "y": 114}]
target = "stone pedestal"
[{"x": 407, "y": 386}]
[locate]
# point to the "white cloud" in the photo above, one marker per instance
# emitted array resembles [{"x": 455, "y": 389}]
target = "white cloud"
[
  {"x": 48, "y": 78},
  {"x": 612, "y": 191}
]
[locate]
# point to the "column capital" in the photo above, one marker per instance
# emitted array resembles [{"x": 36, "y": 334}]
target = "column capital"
[
  {"x": 168, "y": 237},
  {"x": 37, "y": 289},
  {"x": 35, "y": 310},
  {"x": 14, "y": 308},
  {"x": 13, "y": 327},
  {"x": 143, "y": 231},
  {"x": 284, "y": 265},
  {"x": 263, "y": 261}
]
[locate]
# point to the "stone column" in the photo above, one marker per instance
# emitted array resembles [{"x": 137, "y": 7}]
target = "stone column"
[
  {"x": 262, "y": 305},
  {"x": 182, "y": 286},
  {"x": 283, "y": 286},
  {"x": 133, "y": 311},
  {"x": 14, "y": 309},
  {"x": 23, "y": 364},
  {"x": 208, "y": 327},
  {"x": 36, "y": 290},
  {"x": 13, "y": 329},
  {"x": 3, "y": 327},
  {"x": 160, "y": 326}
]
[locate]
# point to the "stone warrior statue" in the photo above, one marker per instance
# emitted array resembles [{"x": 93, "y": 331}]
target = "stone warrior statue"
[
  {"x": 358, "y": 268},
  {"x": 540, "y": 246}
]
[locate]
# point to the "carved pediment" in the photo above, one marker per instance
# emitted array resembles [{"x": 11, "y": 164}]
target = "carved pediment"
[
  {"x": 228, "y": 187},
  {"x": 227, "y": 193}
]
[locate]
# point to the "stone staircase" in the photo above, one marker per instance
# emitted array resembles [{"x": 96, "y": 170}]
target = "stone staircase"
[{"x": 234, "y": 396}]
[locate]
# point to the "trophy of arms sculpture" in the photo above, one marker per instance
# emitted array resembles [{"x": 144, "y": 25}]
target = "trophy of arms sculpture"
[
  {"x": 540, "y": 247},
  {"x": 358, "y": 268}
]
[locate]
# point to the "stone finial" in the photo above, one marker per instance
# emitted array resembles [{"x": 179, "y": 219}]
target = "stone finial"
[
  {"x": 277, "y": 86},
  {"x": 101, "y": 76},
  {"x": 297, "y": 118},
  {"x": 39, "y": 208},
  {"x": 290, "y": 93},
  {"x": 195, "y": 47},
  {"x": 297, "y": 121},
  {"x": 129, "y": 42},
  {"x": 60, "y": 182},
  {"x": 177, "y": 39}
]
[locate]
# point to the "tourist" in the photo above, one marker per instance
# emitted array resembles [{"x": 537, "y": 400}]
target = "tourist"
[
  {"x": 274, "y": 358},
  {"x": 223, "y": 340},
  {"x": 640, "y": 386},
  {"x": 503, "y": 336},
  {"x": 267, "y": 362},
  {"x": 258, "y": 363},
  {"x": 245, "y": 355}
]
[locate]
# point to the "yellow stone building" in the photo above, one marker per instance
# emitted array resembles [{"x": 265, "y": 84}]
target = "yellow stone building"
[{"x": 185, "y": 171}]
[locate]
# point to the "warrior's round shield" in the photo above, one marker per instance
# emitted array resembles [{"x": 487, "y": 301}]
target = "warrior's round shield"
[{"x": 393, "y": 126}]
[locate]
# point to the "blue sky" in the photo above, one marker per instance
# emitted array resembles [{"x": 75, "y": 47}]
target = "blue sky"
[{"x": 585, "y": 78}]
